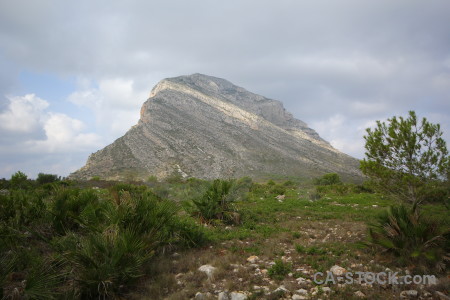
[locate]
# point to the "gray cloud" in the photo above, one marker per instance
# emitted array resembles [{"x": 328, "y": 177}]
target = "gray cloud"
[{"x": 338, "y": 65}]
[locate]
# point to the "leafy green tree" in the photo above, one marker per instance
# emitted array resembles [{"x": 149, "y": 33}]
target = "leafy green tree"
[
  {"x": 47, "y": 178},
  {"x": 19, "y": 180},
  {"x": 405, "y": 157},
  {"x": 328, "y": 179}
]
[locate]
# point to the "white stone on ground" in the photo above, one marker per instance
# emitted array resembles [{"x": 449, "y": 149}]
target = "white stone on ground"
[{"x": 208, "y": 270}]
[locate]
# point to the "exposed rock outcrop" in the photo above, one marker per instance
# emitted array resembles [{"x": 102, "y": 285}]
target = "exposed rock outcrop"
[{"x": 206, "y": 127}]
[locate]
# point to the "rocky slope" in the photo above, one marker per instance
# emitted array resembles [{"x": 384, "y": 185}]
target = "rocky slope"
[{"x": 206, "y": 127}]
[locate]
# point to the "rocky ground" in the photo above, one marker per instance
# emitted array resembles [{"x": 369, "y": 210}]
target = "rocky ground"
[{"x": 230, "y": 270}]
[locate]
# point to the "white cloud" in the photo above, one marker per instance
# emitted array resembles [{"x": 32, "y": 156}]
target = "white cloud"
[
  {"x": 336, "y": 65},
  {"x": 115, "y": 103},
  {"x": 64, "y": 134},
  {"x": 343, "y": 133},
  {"x": 368, "y": 108},
  {"x": 23, "y": 114},
  {"x": 57, "y": 148}
]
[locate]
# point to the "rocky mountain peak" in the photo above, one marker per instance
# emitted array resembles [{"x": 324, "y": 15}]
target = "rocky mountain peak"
[
  {"x": 207, "y": 127},
  {"x": 223, "y": 90}
]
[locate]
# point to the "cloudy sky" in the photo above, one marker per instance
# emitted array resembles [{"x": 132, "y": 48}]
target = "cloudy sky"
[{"x": 73, "y": 74}]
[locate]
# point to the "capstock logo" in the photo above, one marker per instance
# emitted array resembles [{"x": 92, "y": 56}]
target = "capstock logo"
[{"x": 373, "y": 278}]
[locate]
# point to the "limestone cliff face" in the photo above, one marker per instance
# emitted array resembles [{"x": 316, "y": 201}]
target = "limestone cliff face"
[{"x": 206, "y": 127}]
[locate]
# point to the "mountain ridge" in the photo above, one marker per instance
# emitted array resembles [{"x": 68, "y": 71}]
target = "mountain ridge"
[{"x": 206, "y": 127}]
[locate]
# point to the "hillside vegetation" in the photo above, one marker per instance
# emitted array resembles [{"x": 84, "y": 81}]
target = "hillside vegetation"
[{"x": 147, "y": 240}]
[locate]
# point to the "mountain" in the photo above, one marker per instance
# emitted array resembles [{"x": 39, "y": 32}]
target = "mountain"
[{"x": 206, "y": 127}]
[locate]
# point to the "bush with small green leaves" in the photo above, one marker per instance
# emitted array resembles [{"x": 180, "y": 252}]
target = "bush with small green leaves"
[
  {"x": 337, "y": 189},
  {"x": 277, "y": 189},
  {"x": 438, "y": 192},
  {"x": 21, "y": 208},
  {"x": 328, "y": 179},
  {"x": 279, "y": 270},
  {"x": 270, "y": 182},
  {"x": 405, "y": 157},
  {"x": 300, "y": 248},
  {"x": 188, "y": 233},
  {"x": 19, "y": 180},
  {"x": 296, "y": 235},
  {"x": 152, "y": 179},
  {"x": 47, "y": 178}
]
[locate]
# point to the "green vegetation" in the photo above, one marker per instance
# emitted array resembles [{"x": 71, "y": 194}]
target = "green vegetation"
[
  {"x": 409, "y": 160},
  {"x": 411, "y": 237},
  {"x": 47, "y": 178},
  {"x": 406, "y": 158},
  {"x": 98, "y": 239},
  {"x": 328, "y": 179},
  {"x": 217, "y": 202},
  {"x": 280, "y": 269}
]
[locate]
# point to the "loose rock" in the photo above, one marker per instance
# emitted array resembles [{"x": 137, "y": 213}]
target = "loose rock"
[
  {"x": 337, "y": 270},
  {"x": 200, "y": 296},
  {"x": 224, "y": 296},
  {"x": 359, "y": 294},
  {"x": 409, "y": 294},
  {"x": 238, "y": 296},
  {"x": 208, "y": 270},
  {"x": 302, "y": 292},
  {"x": 253, "y": 259},
  {"x": 441, "y": 296},
  {"x": 281, "y": 289}
]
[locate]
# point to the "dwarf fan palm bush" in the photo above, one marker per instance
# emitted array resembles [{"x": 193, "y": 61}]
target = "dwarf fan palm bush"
[
  {"x": 21, "y": 208},
  {"x": 104, "y": 263},
  {"x": 67, "y": 206},
  {"x": 42, "y": 280},
  {"x": 146, "y": 214},
  {"x": 411, "y": 237},
  {"x": 217, "y": 202}
]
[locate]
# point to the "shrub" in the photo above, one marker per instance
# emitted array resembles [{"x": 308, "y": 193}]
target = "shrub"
[
  {"x": 19, "y": 180},
  {"x": 7, "y": 263},
  {"x": 279, "y": 270},
  {"x": 296, "y": 235},
  {"x": 328, "y": 179},
  {"x": 410, "y": 237},
  {"x": 404, "y": 156},
  {"x": 436, "y": 193},
  {"x": 315, "y": 196},
  {"x": 175, "y": 178},
  {"x": 148, "y": 216},
  {"x": 277, "y": 189},
  {"x": 300, "y": 249},
  {"x": 104, "y": 263},
  {"x": 270, "y": 182},
  {"x": 42, "y": 280},
  {"x": 152, "y": 179},
  {"x": 189, "y": 233},
  {"x": 21, "y": 208},
  {"x": 363, "y": 188},
  {"x": 315, "y": 250},
  {"x": 47, "y": 178},
  {"x": 337, "y": 189},
  {"x": 67, "y": 206},
  {"x": 217, "y": 202},
  {"x": 289, "y": 183}
]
